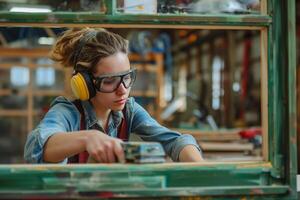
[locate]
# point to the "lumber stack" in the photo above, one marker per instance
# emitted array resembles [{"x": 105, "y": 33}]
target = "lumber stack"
[{"x": 224, "y": 145}]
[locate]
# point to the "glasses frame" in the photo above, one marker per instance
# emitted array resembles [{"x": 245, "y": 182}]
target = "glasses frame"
[{"x": 99, "y": 79}]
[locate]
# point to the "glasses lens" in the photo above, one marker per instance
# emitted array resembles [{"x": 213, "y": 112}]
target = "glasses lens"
[
  {"x": 109, "y": 84},
  {"x": 128, "y": 80}
]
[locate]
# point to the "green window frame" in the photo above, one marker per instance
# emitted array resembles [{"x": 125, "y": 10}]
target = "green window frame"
[{"x": 274, "y": 177}]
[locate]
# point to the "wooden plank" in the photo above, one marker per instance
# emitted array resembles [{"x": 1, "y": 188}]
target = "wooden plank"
[
  {"x": 264, "y": 91},
  {"x": 67, "y": 83},
  {"x": 140, "y": 26},
  {"x": 100, "y": 19},
  {"x": 29, "y": 106},
  {"x": 291, "y": 94},
  {"x": 138, "y": 57},
  {"x": 264, "y": 7},
  {"x": 37, "y": 92},
  {"x": 229, "y": 146},
  {"x": 8, "y": 92},
  {"x": 8, "y": 65},
  {"x": 48, "y": 92},
  {"x": 230, "y": 156},
  {"x": 146, "y": 93},
  {"x": 160, "y": 81},
  {"x": 35, "y": 52},
  {"x": 221, "y": 135},
  {"x": 13, "y": 113},
  {"x": 146, "y": 67},
  {"x": 3, "y": 40}
]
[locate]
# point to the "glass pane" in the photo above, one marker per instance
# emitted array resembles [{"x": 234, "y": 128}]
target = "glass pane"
[
  {"x": 188, "y": 6},
  {"x": 12, "y": 138},
  {"x": 15, "y": 78},
  {"x": 48, "y": 77},
  {"x": 45, "y": 6}
]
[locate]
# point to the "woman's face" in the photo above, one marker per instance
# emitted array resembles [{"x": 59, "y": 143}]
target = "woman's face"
[{"x": 114, "y": 64}]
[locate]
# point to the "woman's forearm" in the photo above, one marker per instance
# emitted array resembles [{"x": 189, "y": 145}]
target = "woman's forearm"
[
  {"x": 190, "y": 154},
  {"x": 63, "y": 145}
]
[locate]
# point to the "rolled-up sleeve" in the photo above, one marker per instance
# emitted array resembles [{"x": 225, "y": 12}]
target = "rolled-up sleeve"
[
  {"x": 150, "y": 130},
  {"x": 62, "y": 117},
  {"x": 180, "y": 143}
]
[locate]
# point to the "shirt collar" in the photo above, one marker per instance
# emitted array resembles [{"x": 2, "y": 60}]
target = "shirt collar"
[{"x": 115, "y": 118}]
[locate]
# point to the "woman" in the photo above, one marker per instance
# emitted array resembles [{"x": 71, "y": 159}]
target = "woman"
[{"x": 102, "y": 81}]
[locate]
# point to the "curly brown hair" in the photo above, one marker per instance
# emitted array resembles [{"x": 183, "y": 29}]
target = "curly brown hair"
[{"x": 86, "y": 47}]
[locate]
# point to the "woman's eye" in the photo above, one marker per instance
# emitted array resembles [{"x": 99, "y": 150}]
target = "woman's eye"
[
  {"x": 127, "y": 77},
  {"x": 109, "y": 80}
]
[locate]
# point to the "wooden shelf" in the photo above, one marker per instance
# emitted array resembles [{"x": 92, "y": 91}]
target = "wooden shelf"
[
  {"x": 25, "y": 92},
  {"x": 220, "y": 135},
  {"x": 17, "y": 112},
  {"x": 9, "y": 65},
  {"x": 145, "y": 67},
  {"x": 226, "y": 147},
  {"x": 144, "y": 93},
  {"x": 24, "y": 52},
  {"x": 13, "y": 113},
  {"x": 47, "y": 92},
  {"x": 133, "y": 57}
]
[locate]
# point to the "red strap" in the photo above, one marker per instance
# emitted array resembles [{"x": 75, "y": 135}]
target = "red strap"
[
  {"x": 83, "y": 156},
  {"x": 122, "y": 132}
]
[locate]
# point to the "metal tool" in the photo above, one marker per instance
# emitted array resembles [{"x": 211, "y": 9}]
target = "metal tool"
[{"x": 144, "y": 152}]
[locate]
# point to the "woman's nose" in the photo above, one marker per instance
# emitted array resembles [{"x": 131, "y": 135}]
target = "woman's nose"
[{"x": 121, "y": 89}]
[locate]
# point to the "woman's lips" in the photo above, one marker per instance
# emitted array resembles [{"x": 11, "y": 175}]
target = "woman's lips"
[{"x": 121, "y": 101}]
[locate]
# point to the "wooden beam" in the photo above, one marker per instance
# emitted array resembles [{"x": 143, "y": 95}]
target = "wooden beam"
[
  {"x": 126, "y": 26},
  {"x": 226, "y": 146},
  {"x": 220, "y": 135},
  {"x": 13, "y": 52},
  {"x": 264, "y": 92},
  {"x": 50, "y": 32},
  {"x": 3, "y": 40},
  {"x": 264, "y": 7}
]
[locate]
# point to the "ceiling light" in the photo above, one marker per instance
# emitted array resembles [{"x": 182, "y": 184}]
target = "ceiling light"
[{"x": 30, "y": 9}]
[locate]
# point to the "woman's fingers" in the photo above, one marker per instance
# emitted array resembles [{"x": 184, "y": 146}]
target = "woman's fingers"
[
  {"x": 119, "y": 152},
  {"x": 110, "y": 152},
  {"x": 105, "y": 149}
]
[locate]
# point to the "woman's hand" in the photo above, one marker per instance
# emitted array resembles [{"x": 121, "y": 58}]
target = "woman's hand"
[{"x": 103, "y": 148}]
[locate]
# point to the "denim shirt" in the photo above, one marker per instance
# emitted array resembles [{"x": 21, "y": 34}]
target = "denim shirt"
[{"x": 63, "y": 116}]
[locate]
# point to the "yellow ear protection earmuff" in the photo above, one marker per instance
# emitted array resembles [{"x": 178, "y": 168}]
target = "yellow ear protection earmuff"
[
  {"x": 81, "y": 82},
  {"x": 82, "y": 85}
]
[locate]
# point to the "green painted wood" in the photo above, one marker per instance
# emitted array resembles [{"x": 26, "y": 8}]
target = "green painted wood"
[
  {"x": 98, "y": 18},
  {"x": 241, "y": 192},
  {"x": 274, "y": 180},
  {"x": 136, "y": 180},
  {"x": 291, "y": 94},
  {"x": 282, "y": 84},
  {"x": 278, "y": 110},
  {"x": 271, "y": 88},
  {"x": 111, "y": 7}
]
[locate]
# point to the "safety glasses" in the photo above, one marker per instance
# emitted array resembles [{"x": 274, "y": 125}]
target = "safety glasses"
[{"x": 110, "y": 83}]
